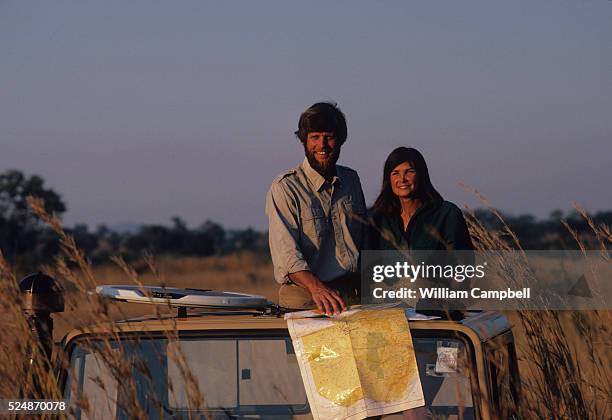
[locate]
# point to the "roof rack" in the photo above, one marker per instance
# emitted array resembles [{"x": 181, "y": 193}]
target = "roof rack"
[{"x": 183, "y": 298}]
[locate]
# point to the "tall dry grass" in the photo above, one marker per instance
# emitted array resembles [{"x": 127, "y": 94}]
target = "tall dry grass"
[
  {"x": 25, "y": 369},
  {"x": 564, "y": 358}
]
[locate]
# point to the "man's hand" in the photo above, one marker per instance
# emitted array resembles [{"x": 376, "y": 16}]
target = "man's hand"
[{"x": 328, "y": 300}]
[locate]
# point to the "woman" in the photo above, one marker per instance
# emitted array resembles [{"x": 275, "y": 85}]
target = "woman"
[{"x": 410, "y": 214}]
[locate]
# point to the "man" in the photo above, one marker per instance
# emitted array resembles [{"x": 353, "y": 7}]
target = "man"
[{"x": 316, "y": 213}]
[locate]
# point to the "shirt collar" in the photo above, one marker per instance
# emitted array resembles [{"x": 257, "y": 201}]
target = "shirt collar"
[{"x": 315, "y": 178}]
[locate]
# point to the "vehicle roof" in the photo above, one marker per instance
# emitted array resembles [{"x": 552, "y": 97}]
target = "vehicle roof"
[{"x": 482, "y": 326}]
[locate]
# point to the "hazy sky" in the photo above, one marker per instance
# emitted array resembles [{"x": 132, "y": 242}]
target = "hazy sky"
[{"x": 139, "y": 111}]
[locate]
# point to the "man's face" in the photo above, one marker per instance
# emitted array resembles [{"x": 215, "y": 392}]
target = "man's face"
[{"x": 322, "y": 151}]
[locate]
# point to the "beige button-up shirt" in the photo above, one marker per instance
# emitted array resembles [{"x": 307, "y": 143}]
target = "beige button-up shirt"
[{"x": 316, "y": 225}]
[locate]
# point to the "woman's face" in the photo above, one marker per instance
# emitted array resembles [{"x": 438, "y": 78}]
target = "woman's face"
[{"x": 404, "y": 180}]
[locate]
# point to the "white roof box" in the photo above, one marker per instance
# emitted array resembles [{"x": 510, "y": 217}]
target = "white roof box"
[{"x": 187, "y": 298}]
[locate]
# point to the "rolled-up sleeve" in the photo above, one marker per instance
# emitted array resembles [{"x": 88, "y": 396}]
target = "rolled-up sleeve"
[{"x": 282, "y": 212}]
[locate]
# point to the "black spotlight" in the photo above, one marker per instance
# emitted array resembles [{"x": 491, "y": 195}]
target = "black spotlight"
[{"x": 42, "y": 296}]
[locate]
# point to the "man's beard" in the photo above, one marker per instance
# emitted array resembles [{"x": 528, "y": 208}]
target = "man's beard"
[{"x": 326, "y": 170}]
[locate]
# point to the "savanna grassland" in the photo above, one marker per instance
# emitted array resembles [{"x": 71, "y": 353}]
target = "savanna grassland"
[
  {"x": 244, "y": 273},
  {"x": 576, "y": 344},
  {"x": 564, "y": 356}
]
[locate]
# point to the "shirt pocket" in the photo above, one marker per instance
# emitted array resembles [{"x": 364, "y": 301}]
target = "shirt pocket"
[
  {"x": 356, "y": 218},
  {"x": 315, "y": 226}
]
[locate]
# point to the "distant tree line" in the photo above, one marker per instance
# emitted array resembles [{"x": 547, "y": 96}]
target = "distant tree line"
[
  {"x": 550, "y": 233},
  {"x": 26, "y": 241},
  {"x": 208, "y": 239}
]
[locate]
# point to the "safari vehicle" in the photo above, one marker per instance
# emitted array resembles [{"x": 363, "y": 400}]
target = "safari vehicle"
[
  {"x": 239, "y": 352},
  {"x": 235, "y": 352}
]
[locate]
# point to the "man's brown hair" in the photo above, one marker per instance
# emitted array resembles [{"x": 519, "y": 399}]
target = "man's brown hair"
[{"x": 321, "y": 117}]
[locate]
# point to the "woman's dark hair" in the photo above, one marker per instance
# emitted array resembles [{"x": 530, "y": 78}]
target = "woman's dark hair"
[
  {"x": 387, "y": 202},
  {"x": 322, "y": 116}
]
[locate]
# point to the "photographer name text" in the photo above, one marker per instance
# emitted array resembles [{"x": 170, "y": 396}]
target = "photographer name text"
[{"x": 447, "y": 293}]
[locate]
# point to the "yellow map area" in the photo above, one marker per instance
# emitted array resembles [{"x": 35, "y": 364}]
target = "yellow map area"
[{"x": 367, "y": 354}]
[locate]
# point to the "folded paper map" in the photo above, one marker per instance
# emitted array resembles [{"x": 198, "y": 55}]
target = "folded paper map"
[{"x": 358, "y": 364}]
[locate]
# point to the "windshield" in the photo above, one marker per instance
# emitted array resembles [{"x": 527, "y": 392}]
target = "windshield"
[{"x": 237, "y": 377}]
